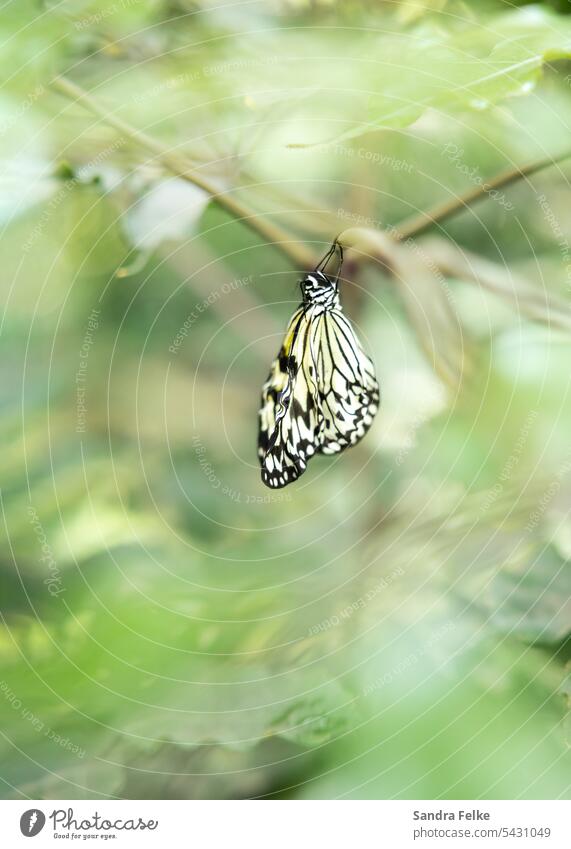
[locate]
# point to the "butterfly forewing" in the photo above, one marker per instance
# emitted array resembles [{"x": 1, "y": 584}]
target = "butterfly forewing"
[
  {"x": 289, "y": 419},
  {"x": 321, "y": 394}
]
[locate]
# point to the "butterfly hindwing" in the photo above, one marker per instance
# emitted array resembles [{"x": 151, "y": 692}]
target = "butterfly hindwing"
[
  {"x": 289, "y": 420},
  {"x": 321, "y": 394},
  {"x": 348, "y": 388}
]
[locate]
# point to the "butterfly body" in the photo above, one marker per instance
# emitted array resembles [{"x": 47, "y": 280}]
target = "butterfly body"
[
  {"x": 320, "y": 292},
  {"x": 321, "y": 394}
]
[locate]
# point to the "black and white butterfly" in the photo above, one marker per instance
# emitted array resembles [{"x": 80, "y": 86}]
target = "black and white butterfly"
[{"x": 321, "y": 394}]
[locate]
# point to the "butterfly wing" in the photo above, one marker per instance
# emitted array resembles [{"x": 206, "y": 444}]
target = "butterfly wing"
[
  {"x": 290, "y": 419},
  {"x": 321, "y": 394},
  {"x": 347, "y": 386}
]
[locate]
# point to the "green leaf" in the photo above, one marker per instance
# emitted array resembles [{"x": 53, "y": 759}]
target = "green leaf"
[
  {"x": 167, "y": 211},
  {"x": 473, "y": 69},
  {"x": 531, "y": 598}
]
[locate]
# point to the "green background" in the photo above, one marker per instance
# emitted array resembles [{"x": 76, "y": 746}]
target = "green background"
[{"x": 394, "y": 624}]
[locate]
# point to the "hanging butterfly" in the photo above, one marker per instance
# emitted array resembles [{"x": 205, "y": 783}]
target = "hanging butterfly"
[{"x": 321, "y": 394}]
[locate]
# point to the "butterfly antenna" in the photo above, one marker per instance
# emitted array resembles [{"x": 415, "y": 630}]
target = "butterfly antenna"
[
  {"x": 338, "y": 247},
  {"x": 323, "y": 262}
]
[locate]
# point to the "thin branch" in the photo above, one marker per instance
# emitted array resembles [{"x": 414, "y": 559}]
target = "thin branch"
[
  {"x": 538, "y": 305},
  {"x": 431, "y": 315},
  {"x": 179, "y": 165},
  {"x": 418, "y": 224},
  {"x": 298, "y": 254}
]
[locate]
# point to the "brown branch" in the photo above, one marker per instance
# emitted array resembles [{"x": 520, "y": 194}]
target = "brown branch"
[
  {"x": 432, "y": 317},
  {"x": 179, "y": 165},
  {"x": 418, "y": 224},
  {"x": 297, "y": 253},
  {"x": 536, "y": 304}
]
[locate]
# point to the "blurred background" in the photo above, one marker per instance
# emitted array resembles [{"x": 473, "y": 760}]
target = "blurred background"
[{"x": 394, "y": 624}]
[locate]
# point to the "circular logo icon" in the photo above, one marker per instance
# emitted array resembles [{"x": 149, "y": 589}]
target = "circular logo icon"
[{"x": 32, "y": 822}]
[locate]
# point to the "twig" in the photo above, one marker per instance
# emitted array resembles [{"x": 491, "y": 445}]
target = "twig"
[
  {"x": 537, "y": 305},
  {"x": 431, "y": 315},
  {"x": 178, "y": 164},
  {"x": 297, "y": 253},
  {"x": 417, "y": 224}
]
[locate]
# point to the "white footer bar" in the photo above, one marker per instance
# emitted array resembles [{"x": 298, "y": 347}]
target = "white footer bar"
[{"x": 287, "y": 824}]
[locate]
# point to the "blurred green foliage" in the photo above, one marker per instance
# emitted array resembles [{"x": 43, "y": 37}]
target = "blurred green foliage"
[{"x": 395, "y": 624}]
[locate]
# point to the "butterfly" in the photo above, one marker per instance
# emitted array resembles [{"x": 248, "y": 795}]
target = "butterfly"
[{"x": 321, "y": 394}]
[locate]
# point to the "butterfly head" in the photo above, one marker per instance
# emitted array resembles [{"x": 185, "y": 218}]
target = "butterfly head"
[{"x": 319, "y": 289}]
